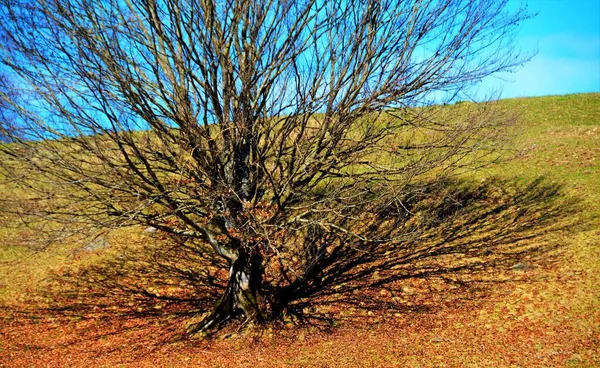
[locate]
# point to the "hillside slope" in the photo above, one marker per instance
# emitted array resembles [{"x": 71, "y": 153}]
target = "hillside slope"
[{"x": 537, "y": 312}]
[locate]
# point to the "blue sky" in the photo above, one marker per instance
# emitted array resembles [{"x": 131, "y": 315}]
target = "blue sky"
[{"x": 566, "y": 36}]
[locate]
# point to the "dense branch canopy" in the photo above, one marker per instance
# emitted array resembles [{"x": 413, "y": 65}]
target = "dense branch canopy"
[{"x": 245, "y": 123}]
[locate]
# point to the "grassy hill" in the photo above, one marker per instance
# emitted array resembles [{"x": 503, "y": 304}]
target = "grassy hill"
[{"x": 539, "y": 311}]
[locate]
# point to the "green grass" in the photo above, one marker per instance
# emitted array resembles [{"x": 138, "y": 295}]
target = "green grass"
[
  {"x": 556, "y": 137},
  {"x": 559, "y": 137}
]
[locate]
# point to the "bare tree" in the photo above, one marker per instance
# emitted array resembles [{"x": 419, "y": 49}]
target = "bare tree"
[
  {"x": 250, "y": 127},
  {"x": 7, "y": 117}
]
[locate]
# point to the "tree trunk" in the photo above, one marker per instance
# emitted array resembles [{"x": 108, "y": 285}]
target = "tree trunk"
[{"x": 242, "y": 295}]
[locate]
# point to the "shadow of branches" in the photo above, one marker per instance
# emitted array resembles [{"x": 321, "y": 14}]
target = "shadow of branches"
[
  {"x": 455, "y": 240},
  {"x": 450, "y": 242}
]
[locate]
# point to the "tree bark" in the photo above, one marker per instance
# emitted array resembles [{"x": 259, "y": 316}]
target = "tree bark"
[{"x": 242, "y": 294}]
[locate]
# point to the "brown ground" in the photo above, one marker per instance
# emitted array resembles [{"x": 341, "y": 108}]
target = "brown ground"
[
  {"x": 545, "y": 315},
  {"x": 526, "y": 322}
]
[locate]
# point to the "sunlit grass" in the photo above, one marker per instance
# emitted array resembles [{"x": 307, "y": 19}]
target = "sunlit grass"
[
  {"x": 557, "y": 137},
  {"x": 521, "y": 323}
]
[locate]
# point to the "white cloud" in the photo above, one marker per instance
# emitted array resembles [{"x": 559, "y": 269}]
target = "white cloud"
[{"x": 564, "y": 64}]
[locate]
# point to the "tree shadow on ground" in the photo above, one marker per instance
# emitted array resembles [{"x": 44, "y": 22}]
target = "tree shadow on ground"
[{"x": 456, "y": 240}]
